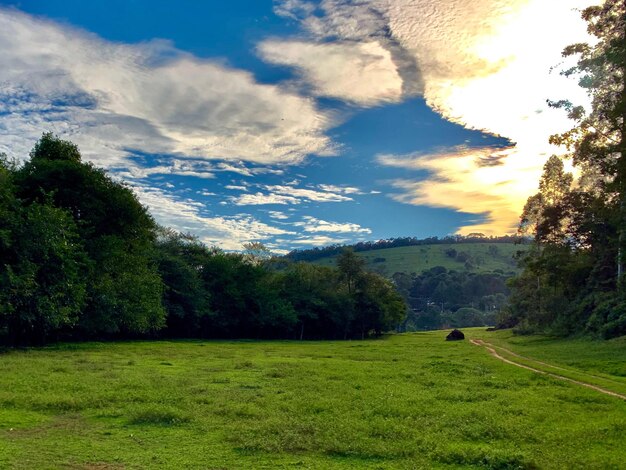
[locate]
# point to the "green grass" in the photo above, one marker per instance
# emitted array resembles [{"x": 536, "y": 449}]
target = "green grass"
[
  {"x": 406, "y": 401},
  {"x": 598, "y": 362},
  {"x": 415, "y": 259}
]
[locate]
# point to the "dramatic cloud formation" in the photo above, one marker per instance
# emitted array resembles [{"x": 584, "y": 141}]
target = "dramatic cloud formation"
[
  {"x": 111, "y": 98},
  {"x": 178, "y": 126},
  {"x": 483, "y": 64}
]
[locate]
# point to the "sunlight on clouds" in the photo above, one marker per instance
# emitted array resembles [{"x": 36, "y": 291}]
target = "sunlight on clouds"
[
  {"x": 507, "y": 97},
  {"x": 472, "y": 178},
  {"x": 485, "y": 65}
]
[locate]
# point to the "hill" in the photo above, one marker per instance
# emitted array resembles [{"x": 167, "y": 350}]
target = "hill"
[{"x": 469, "y": 257}]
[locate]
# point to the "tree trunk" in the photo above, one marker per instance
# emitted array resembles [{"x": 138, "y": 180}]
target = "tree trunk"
[{"x": 621, "y": 169}]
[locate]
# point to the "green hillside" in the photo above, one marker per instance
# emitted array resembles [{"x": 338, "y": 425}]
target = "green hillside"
[{"x": 472, "y": 257}]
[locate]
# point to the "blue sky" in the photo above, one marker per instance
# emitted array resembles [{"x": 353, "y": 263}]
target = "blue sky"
[{"x": 296, "y": 123}]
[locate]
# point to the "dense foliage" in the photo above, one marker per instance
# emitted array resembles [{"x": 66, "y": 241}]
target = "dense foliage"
[
  {"x": 439, "y": 298},
  {"x": 80, "y": 257},
  {"x": 574, "y": 277}
]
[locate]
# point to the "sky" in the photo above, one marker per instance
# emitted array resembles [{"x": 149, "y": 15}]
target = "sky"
[{"x": 298, "y": 123}]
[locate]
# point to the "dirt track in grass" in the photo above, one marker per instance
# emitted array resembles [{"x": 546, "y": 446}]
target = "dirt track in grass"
[{"x": 491, "y": 348}]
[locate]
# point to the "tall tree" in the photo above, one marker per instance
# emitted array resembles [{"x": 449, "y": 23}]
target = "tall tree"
[
  {"x": 544, "y": 214},
  {"x": 118, "y": 233},
  {"x": 351, "y": 266},
  {"x": 598, "y": 142}
]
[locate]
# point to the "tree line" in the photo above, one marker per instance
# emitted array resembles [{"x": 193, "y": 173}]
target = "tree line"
[
  {"x": 574, "y": 277},
  {"x": 316, "y": 253},
  {"x": 81, "y": 258}
]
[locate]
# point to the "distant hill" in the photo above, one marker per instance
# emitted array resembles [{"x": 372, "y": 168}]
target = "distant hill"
[
  {"x": 471, "y": 257},
  {"x": 472, "y": 253}
]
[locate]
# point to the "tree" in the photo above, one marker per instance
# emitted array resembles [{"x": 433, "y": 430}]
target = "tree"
[
  {"x": 43, "y": 267},
  {"x": 256, "y": 252},
  {"x": 544, "y": 215},
  {"x": 351, "y": 266},
  {"x": 50, "y": 147},
  {"x": 124, "y": 288},
  {"x": 180, "y": 259},
  {"x": 597, "y": 143}
]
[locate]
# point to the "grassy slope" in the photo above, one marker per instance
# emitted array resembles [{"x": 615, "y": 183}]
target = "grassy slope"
[
  {"x": 408, "y": 401},
  {"x": 419, "y": 258}
]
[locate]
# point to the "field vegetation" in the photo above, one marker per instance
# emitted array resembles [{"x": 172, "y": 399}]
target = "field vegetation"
[{"x": 404, "y": 401}]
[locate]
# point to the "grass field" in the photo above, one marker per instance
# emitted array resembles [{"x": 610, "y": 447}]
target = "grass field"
[
  {"x": 416, "y": 259},
  {"x": 405, "y": 401}
]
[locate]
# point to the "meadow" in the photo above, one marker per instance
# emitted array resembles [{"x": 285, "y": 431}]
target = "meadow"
[
  {"x": 403, "y": 401},
  {"x": 415, "y": 259}
]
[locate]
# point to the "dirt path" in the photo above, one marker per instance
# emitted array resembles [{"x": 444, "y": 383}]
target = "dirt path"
[{"x": 491, "y": 348}]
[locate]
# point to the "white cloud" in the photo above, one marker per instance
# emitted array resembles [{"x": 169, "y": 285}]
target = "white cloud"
[
  {"x": 318, "y": 240},
  {"x": 236, "y": 187},
  {"x": 285, "y": 194},
  {"x": 258, "y": 199},
  {"x": 228, "y": 233},
  {"x": 278, "y": 215},
  {"x": 294, "y": 8},
  {"x": 110, "y": 97},
  {"x": 311, "y": 224},
  {"x": 339, "y": 189},
  {"x": 308, "y": 194},
  {"x": 361, "y": 73},
  {"x": 243, "y": 170}
]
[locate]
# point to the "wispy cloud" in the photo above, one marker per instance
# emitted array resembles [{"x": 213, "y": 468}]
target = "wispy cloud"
[
  {"x": 311, "y": 224},
  {"x": 259, "y": 199},
  {"x": 285, "y": 194},
  {"x": 318, "y": 240},
  {"x": 187, "y": 215},
  {"x": 339, "y": 189},
  {"x": 235, "y": 187},
  {"x": 308, "y": 194}
]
